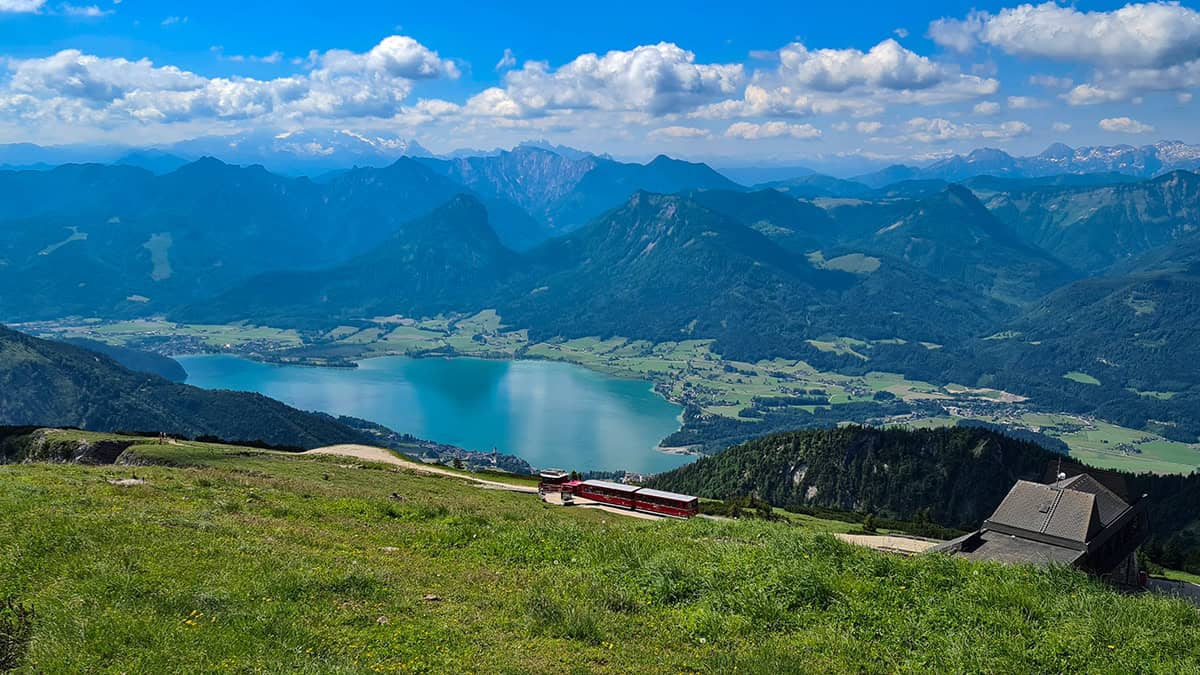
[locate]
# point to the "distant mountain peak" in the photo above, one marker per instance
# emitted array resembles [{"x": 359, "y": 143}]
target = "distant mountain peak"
[
  {"x": 1058, "y": 151},
  {"x": 988, "y": 155}
]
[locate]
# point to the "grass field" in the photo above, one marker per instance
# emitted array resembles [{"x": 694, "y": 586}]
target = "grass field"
[
  {"x": 1098, "y": 443},
  {"x": 228, "y": 559},
  {"x": 1082, "y": 378}
]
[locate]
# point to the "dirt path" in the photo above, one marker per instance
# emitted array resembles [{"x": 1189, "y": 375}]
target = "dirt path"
[
  {"x": 369, "y": 454},
  {"x": 381, "y": 456},
  {"x": 888, "y": 544}
]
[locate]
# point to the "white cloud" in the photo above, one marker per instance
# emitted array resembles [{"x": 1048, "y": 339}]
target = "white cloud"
[
  {"x": 656, "y": 79},
  {"x": 986, "y": 108},
  {"x": 74, "y": 87},
  {"x": 1157, "y": 34},
  {"x": 1024, "y": 103},
  {"x": 1137, "y": 49},
  {"x": 887, "y": 65},
  {"x": 833, "y": 81},
  {"x": 88, "y": 11},
  {"x": 901, "y": 33},
  {"x": 938, "y": 130},
  {"x": 1125, "y": 125},
  {"x": 751, "y": 132},
  {"x": 678, "y": 132},
  {"x": 1061, "y": 127},
  {"x": 868, "y": 128},
  {"x": 272, "y": 58},
  {"x": 507, "y": 60},
  {"x": 1184, "y": 97},
  {"x": 955, "y": 34},
  {"x": 173, "y": 20},
  {"x": 1088, "y": 94},
  {"x": 21, "y": 6},
  {"x": 1051, "y": 82}
]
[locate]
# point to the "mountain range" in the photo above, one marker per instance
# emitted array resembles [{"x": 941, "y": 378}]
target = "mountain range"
[
  {"x": 575, "y": 245},
  {"x": 1142, "y": 161}
]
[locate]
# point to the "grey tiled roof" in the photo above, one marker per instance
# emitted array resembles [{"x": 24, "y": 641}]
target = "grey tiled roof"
[
  {"x": 1076, "y": 509},
  {"x": 1039, "y": 523},
  {"x": 1108, "y": 504}
]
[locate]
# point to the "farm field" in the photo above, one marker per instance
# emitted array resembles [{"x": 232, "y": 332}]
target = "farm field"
[
  {"x": 227, "y": 558},
  {"x": 1095, "y": 442}
]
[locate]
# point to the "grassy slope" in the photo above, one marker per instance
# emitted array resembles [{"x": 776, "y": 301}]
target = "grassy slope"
[{"x": 245, "y": 560}]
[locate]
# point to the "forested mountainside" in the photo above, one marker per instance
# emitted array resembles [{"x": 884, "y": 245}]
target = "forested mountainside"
[
  {"x": 1132, "y": 332},
  {"x": 46, "y": 383},
  {"x": 120, "y": 240},
  {"x": 1091, "y": 228},
  {"x": 135, "y": 359},
  {"x": 445, "y": 261},
  {"x": 955, "y": 477},
  {"x": 659, "y": 268}
]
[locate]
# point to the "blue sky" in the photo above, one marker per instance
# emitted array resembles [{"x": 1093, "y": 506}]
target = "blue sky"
[{"x": 768, "y": 82}]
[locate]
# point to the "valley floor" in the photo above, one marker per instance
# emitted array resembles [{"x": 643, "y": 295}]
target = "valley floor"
[
  {"x": 686, "y": 372},
  {"x": 234, "y": 559}
]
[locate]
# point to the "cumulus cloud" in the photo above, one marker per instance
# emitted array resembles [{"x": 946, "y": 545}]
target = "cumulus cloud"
[
  {"x": 656, "y": 79},
  {"x": 753, "y": 132},
  {"x": 72, "y": 86},
  {"x": 21, "y": 6},
  {"x": 868, "y": 128},
  {"x": 1125, "y": 125},
  {"x": 1061, "y": 127},
  {"x": 986, "y": 108},
  {"x": 831, "y": 81},
  {"x": 939, "y": 130},
  {"x": 1155, "y": 34},
  {"x": 887, "y": 65},
  {"x": 1139, "y": 48}
]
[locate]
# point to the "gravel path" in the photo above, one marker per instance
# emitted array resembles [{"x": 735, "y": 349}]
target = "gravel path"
[{"x": 381, "y": 456}]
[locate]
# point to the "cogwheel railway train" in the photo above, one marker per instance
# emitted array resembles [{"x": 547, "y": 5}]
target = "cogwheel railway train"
[{"x": 629, "y": 497}]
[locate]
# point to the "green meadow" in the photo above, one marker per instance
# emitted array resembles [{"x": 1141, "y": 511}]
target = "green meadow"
[{"x": 219, "y": 558}]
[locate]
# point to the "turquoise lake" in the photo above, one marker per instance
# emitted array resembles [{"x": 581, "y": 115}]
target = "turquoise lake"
[{"x": 549, "y": 414}]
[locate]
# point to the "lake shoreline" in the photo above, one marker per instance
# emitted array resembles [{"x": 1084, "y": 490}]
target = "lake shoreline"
[
  {"x": 353, "y": 362},
  {"x": 546, "y": 411}
]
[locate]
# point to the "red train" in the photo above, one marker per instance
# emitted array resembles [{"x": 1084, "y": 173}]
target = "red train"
[{"x": 629, "y": 497}]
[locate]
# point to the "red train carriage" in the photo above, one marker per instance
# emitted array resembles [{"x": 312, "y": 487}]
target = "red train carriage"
[
  {"x": 617, "y": 494},
  {"x": 666, "y": 503},
  {"x": 630, "y": 497}
]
